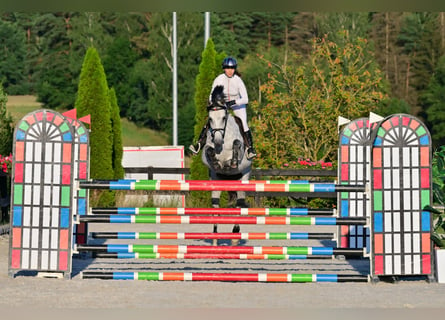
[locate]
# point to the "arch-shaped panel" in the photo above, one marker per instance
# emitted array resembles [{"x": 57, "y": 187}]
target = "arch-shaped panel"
[
  {"x": 42, "y": 183},
  {"x": 401, "y": 184}
]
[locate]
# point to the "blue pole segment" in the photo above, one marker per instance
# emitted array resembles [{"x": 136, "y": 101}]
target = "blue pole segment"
[
  {"x": 123, "y": 276},
  {"x": 126, "y": 210},
  {"x": 126, "y": 235},
  {"x": 121, "y": 184},
  {"x": 299, "y": 236},
  {"x": 323, "y": 251},
  {"x": 118, "y": 248},
  {"x": 120, "y": 219},
  {"x": 299, "y": 211},
  {"x": 327, "y": 278},
  {"x": 324, "y": 187},
  {"x": 325, "y": 221}
]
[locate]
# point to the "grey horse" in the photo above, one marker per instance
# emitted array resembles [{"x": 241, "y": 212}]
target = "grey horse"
[{"x": 224, "y": 152}]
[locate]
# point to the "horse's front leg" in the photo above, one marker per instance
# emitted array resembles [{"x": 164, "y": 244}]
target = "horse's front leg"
[
  {"x": 211, "y": 158},
  {"x": 240, "y": 203},
  {"x": 236, "y": 151},
  {"x": 215, "y": 204}
]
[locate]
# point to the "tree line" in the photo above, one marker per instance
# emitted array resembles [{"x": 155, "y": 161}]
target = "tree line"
[{"x": 398, "y": 56}]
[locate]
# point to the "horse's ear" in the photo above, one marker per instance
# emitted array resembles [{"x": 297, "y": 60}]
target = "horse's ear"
[{"x": 218, "y": 89}]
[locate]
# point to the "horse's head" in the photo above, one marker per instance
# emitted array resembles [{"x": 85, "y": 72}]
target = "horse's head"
[{"x": 218, "y": 115}]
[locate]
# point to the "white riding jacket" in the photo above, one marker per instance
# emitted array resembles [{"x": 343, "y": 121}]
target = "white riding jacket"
[{"x": 234, "y": 89}]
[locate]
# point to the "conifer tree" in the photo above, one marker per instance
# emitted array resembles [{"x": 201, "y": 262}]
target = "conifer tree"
[
  {"x": 116, "y": 128},
  {"x": 93, "y": 99},
  {"x": 434, "y": 101},
  {"x": 204, "y": 79},
  {"x": 203, "y": 84}
]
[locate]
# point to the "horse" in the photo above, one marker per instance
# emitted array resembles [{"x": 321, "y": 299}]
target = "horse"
[{"x": 224, "y": 152}]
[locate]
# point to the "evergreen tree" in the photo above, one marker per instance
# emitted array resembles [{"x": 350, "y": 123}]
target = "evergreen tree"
[
  {"x": 388, "y": 53},
  {"x": 57, "y": 65},
  {"x": 421, "y": 43},
  {"x": 12, "y": 55},
  {"x": 155, "y": 74},
  {"x": 92, "y": 98},
  {"x": 118, "y": 63},
  {"x": 434, "y": 101},
  {"x": 6, "y": 125},
  {"x": 231, "y": 32},
  {"x": 303, "y": 28},
  {"x": 270, "y": 28},
  {"x": 117, "y": 152},
  {"x": 204, "y": 79}
]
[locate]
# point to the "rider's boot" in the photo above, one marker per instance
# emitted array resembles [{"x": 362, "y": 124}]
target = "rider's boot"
[
  {"x": 201, "y": 141},
  {"x": 251, "y": 152}
]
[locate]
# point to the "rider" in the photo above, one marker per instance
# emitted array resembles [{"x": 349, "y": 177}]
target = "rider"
[{"x": 236, "y": 99}]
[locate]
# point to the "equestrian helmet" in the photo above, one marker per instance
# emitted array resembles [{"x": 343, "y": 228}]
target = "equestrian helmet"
[{"x": 229, "y": 62}]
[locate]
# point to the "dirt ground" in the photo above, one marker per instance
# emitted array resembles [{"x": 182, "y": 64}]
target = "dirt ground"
[{"x": 213, "y": 299}]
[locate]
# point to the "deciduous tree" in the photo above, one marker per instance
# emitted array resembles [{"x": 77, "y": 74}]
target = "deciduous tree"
[{"x": 302, "y": 100}]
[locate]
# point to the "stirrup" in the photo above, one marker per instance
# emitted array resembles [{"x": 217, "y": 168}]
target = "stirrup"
[
  {"x": 193, "y": 149},
  {"x": 251, "y": 153}
]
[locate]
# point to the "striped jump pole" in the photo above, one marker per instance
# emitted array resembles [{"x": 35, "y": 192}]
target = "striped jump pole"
[
  {"x": 232, "y": 277},
  {"x": 215, "y": 211},
  {"x": 147, "y": 248},
  {"x": 220, "y": 236},
  {"x": 158, "y": 219},
  {"x": 220, "y": 185},
  {"x": 222, "y": 256}
]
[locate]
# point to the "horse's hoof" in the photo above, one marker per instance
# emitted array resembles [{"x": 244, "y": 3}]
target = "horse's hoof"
[
  {"x": 234, "y": 164},
  {"x": 195, "y": 150}
]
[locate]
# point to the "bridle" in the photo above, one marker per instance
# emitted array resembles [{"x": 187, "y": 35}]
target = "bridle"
[{"x": 223, "y": 129}]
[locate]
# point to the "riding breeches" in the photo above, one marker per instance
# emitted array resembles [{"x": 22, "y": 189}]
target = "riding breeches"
[{"x": 241, "y": 112}]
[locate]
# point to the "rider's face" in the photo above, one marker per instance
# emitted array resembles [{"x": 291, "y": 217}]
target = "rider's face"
[{"x": 229, "y": 72}]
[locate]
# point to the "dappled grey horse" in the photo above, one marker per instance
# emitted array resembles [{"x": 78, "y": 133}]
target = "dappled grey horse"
[{"x": 224, "y": 152}]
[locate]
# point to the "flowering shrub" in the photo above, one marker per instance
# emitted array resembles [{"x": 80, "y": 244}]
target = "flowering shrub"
[
  {"x": 308, "y": 164},
  {"x": 6, "y": 164}
]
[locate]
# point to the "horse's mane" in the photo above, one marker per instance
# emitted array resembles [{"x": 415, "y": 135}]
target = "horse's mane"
[{"x": 218, "y": 99}]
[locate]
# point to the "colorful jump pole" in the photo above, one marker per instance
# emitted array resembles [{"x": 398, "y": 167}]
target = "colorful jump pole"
[
  {"x": 232, "y": 277},
  {"x": 222, "y": 236},
  {"x": 119, "y": 218},
  {"x": 219, "y": 185},
  {"x": 145, "y": 248},
  {"x": 215, "y": 211},
  {"x": 223, "y": 256}
]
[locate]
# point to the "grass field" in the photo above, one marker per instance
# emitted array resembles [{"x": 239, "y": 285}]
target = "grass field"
[{"x": 132, "y": 135}]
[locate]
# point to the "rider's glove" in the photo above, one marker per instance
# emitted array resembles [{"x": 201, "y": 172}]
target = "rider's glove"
[{"x": 230, "y": 103}]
